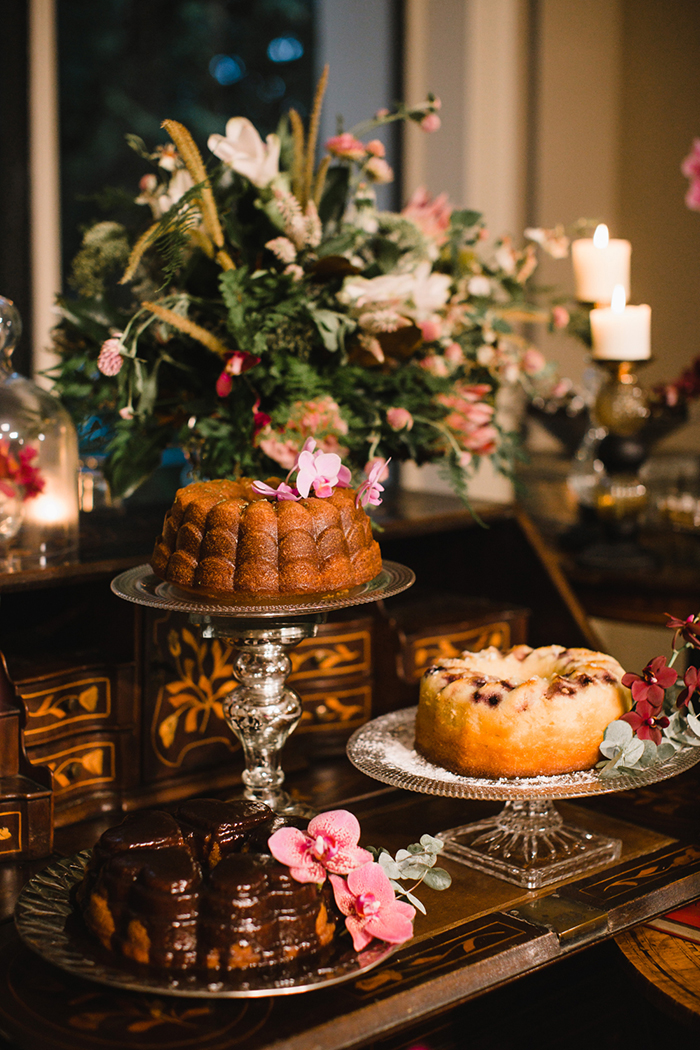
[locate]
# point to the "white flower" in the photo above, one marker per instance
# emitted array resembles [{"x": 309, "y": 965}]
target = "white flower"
[
  {"x": 178, "y": 186},
  {"x": 244, "y": 151},
  {"x": 283, "y": 248},
  {"x": 479, "y": 285},
  {"x": 430, "y": 291}
]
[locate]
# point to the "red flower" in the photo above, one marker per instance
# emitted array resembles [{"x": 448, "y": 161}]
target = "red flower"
[
  {"x": 690, "y": 681},
  {"x": 260, "y": 419},
  {"x": 645, "y": 721},
  {"x": 235, "y": 364},
  {"x": 651, "y": 685},
  {"x": 688, "y": 630}
]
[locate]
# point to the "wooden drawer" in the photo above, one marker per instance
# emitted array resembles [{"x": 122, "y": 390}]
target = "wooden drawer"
[
  {"x": 89, "y": 771},
  {"x": 411, "y": 634},
  {"x": 187, "y": 678},
  {"x": 76, "y": 700}
]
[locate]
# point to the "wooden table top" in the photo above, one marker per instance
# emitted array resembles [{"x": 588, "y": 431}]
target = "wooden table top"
[
  {"x": 669, "y": 968},
  {"x": 480, "y": 934}
]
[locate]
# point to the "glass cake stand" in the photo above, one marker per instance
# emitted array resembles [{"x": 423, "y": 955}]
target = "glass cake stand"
[
  {"x": 527, "y": 842},
  {"x": 262, "y": 711}
]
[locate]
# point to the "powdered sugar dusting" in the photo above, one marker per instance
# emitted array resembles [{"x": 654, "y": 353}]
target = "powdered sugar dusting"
[{"x": 384, "y": 749}]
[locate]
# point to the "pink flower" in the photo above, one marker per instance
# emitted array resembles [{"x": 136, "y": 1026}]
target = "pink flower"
[
  {"x": 431, "y": 329},
  {"x": 431, "y": 122},
  {"x": 346, "y": 146},
  {"x": 650, "y": 686},
  {"x": 127, "y": 412},
  {"x": 560, "y": 316},
  {"x": 691, "y": 169},
  {"x": 367, "y": 900},
  {"x": 236, "y": 363},
  {"x": 110, "y": 359},
  {"x": 283, "y": 490},
  {"x": 645, "y": 721},
  {"x": 321, "y": 471},
  {"x": 329, "y": 844},
  {"x": 454, "y": 354},
  {"x": 432, "y": 217},
  {"x": 376, "y": 148},
  {"x": 370, "y": 490},
  {"x": 533, "y": 361},
  {"x": 398, "y": 418},
  {"x": 379, "y": 171}
]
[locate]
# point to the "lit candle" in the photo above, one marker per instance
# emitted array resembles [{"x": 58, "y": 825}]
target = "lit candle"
[
  {"x": 620, "y": 332},
  {"x": 600, "y": 263}
]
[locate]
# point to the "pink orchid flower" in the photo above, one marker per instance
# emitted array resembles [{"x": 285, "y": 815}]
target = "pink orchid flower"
[
  {"x": 367, "y": 900},
  {"x": 320, "y": 471},
  {"x": 370, "y": 490},
  {"x": 329, "y": 844},
  {"x": 283, "y": 490}
]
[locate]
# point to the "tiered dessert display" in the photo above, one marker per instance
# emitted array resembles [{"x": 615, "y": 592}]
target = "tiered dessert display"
[
  {"x": 261, "y": 565},
  {"x": 526, "y": 728}
]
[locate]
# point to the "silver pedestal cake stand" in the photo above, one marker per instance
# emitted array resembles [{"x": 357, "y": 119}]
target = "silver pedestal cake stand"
[
  {"x": 527, "y": 842},
  {"x": 262, "y": 711}
]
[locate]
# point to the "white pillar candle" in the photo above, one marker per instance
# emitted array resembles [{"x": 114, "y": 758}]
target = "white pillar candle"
[
  {"x": 599, "y": 264},
  {"x": 620, "y": 332}
]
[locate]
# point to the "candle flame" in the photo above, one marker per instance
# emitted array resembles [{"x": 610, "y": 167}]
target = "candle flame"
[
  {"x": 619, "y": 300},
  {"x": 601, "y": 236}
]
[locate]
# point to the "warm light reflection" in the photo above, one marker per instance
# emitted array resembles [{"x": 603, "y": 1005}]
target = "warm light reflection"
[
  {"x": 50, "y": 510},
  {"x": 601, "y": 236}
]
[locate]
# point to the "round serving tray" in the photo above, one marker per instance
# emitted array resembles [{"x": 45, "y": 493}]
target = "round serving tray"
[
  {"x": 384, "y": 749},
  {"x": 48, "y": 923},
  {"x": 141, "y": 586}
]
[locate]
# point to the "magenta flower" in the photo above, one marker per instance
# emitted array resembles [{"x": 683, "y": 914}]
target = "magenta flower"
[
  {"x": 235, "y": 363},
  {"x": 370, "y": 490},
  {"x": 329, "y": 844},
  {"x": 651, "y": 685},
  {"x": 690, "y": 680},
  {"x": 110, "y": 359},
  {"x": 320, "y": 471},
  {"x": 367, "y": 900},
  {"x": 691, "y": 169},
  {"x": 688, "y": 630},
  {"x": 646, "y": 722}
]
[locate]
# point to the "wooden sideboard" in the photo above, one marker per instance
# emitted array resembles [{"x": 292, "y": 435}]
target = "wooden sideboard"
[{"x": 123, "y": 704}]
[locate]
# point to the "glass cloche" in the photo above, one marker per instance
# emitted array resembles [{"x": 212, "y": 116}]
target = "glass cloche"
[{"x": 38, "y": 465}]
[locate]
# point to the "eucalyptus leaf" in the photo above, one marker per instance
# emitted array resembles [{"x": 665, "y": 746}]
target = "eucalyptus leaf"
[
  {"x": 432, "y": 844},
  {"x": 438, "y": 879},
  {"x": 418, "y": 905},
  {"x": 389, "y": 865}
]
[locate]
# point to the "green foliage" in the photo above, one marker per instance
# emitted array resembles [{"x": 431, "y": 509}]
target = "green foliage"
[{"x": 416, "y": 863}]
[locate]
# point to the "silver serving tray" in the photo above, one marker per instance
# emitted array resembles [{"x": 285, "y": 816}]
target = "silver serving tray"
[
  {"x": 49, "y": 924},
  {"x": 141, "y": 586}
]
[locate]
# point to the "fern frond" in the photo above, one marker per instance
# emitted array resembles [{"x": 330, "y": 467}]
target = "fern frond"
[{"x": 183, "y": 324}]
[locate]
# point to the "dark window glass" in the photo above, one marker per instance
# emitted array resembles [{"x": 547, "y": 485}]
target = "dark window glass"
[{"x": 126, "y": 65}]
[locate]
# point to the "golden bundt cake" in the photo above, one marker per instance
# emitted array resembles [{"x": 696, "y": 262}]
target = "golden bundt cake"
[{"x": 223, "y": 538}]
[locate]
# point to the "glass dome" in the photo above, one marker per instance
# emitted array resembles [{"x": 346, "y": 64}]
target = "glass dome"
[{"x": 38, "y": 455}]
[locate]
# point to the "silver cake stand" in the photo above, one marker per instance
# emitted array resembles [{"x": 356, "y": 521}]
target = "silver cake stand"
[
  {"x": 262, "y": 711},
  {"x": 527, "y": 842}
]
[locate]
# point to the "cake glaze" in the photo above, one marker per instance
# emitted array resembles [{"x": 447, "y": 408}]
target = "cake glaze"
[
  {"x": 520, "y": 713},
  {"x": 198, "y": 890},
  {"x": 223, "y": 538}
]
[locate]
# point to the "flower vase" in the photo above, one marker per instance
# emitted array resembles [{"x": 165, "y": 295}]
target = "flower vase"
[{"x": 11, "y": 515}]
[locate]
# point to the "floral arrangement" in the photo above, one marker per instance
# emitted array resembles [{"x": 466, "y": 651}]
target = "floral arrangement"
[
  {"x": 269, "y": 300},
  {"x": 322, "y": 472},
  {"x": 665, "y": 713},
  {"x": 17, "y": 475},
  {"x": 365, "y": 889}
]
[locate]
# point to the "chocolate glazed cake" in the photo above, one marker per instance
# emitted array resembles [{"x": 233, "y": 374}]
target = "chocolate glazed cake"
[{"x": 199, "y": 890}]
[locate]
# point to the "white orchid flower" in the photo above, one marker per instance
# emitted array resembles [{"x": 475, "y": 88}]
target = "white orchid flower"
[{"x": 244, "y": 151}]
